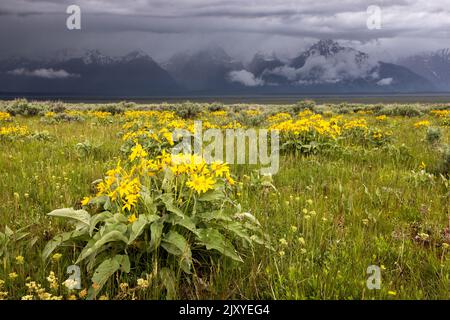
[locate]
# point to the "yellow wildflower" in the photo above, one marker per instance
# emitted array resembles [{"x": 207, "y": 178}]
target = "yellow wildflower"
[
  {"x": 132, "y": 218},
  {"x": 200, "y": 184}
]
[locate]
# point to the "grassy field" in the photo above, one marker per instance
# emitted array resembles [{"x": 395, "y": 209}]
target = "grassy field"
[{"x": 358, "y": 185}]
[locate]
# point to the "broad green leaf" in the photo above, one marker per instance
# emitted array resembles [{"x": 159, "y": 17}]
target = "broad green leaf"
[
  {"x": 113, "y": 225},
  {"x": 60, "y": 239},
  {"x": 167, "y": 182},
  {"x": 113, "y": 236},
  {"x": 176, "y": 244},
  {"x": 213, "y": 215},
  {"x": 248, "y": 216},
  {"x": 148, "y": 202},
  {"x": 167, "y": 199},
  {"x": 156, "y": 229},
  {"x": 8, "y": 232},
  {"x": 168, "y": 280},
  {"x": 79, "y": 215},
  {"x": 238, "y": 229},
  {"x": 98, "y": 218},
  {"x": 124, "y": 262},
  {"x": 105, "y": 270},
  {"x": 212, "y": 195},
  {"x": 212, "y": 239},
  {"x": 186, "y": 222},
  {"x": 139, "y": 225}
]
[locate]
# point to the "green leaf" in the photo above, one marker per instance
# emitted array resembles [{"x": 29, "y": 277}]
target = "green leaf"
[
  {"x": 147, "y": 199},
  {"x": 213, "y": 215},
  {"x": 8, "y": 232},
  {"x": 60, "y": 239},
  {"x": 112, "y": 236},
  {"x": 98, "y": 218},
  {"x": 156, "y": 229},
  {"x": 105, "y": 270},
  {"x": 212, "y": 195},
  {"x": 238, "y": 229},
  {"x": 139, "y": 225},
  {"x": 79, "y": 215},
  {"x": 124, "y": 262},
  {"x": 167, "y": 199},
  {"x": 174, "y": 243},
  {"x": 168, "y": 280},
  {"x": 186, "y": 222},
  {"x": 212, "y": 239}
]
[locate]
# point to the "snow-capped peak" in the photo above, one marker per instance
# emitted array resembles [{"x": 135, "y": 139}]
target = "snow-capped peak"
[
  {"x": 95, "y": 56},
  {"x": 134, "y": 55}
]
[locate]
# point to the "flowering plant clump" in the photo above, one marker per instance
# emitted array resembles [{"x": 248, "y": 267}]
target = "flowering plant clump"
[
  {"x": 310, "y": 132},
  {"x": 5, "y": 116},
  {"x": 422, "y": 124},
  {"x": 178, "y": 209},
  {"x": 11, "y": 132},
  {"x": 306, "y": 134},
  {"x": 443, "y": 116}
]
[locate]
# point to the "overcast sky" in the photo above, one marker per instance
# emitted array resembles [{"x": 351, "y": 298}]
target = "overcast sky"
[{"x": 164, "y": 27}]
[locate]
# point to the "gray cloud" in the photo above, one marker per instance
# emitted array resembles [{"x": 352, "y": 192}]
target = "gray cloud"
[
  {"x": 43, "y": 73},
  {"x": 163, "y": 27},
  {"x": 385, "y": 82},
  {"x": 246, "y": 78}
]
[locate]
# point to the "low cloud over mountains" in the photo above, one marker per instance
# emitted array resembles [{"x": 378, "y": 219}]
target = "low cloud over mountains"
[{"x": 325, "y": 67}]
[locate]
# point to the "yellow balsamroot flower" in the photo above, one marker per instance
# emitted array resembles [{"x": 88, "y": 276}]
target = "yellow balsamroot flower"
[
  {"x": 200, "y": 184},
  {"x": 420, "y": 124},
  {"x": 392, "y": 293},
  {"x": 85, "y": 201},
  {"x": 137, "y": 152},
  {"x": 220, "y": 169},
  {"x": 230, "y": 180},
  {"x": 56, "y": 257},
  {"x": 132, "y": 218},
  {"x": 49, "y": 114},
  {"x": 381, "y": 118},
  {"x": 130, "y": 202},
  {"x": 168, "y": 136}
]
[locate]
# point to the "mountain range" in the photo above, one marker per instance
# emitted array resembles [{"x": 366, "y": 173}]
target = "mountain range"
[{"x": 325, "y": 67}]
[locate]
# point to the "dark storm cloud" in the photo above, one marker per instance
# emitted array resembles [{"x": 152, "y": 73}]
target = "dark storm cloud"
[{"x": 241, "y": 27}]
